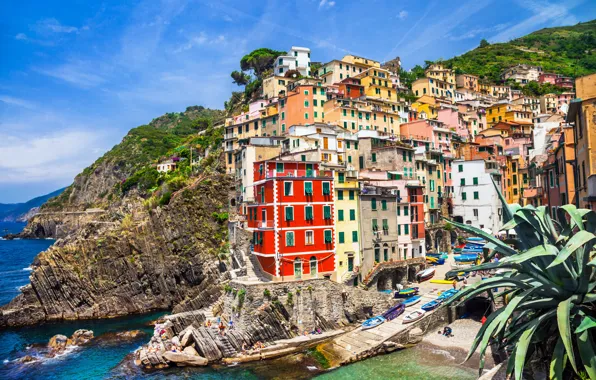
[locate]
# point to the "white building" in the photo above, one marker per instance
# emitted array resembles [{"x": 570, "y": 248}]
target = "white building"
[
  {"x": 475, "y": 199},
  {"x": 166, "y": 166},
  {"x": 298, "y": 58}
]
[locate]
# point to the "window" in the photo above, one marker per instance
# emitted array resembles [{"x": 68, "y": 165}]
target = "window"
[
  {"x": 309, "y": 238},
  {"x": 460, "y": 168},
  {"x": 374, "y": 157},
  {"x": 351, "y": 195},
  {"x": 308, "y": 213},
  {"x": 288, "y": 188},
  {"x": 375, "y": 225},
  {"x": 406, "y": 229},
  {"x": 432, "y": 185},
  {"x": 303, "y": 157},
  {"x": 406, "y": 210},
  {"x": 398, "y": 211},
  {"x": 341, "y": 237},
  {"x": 475, "y": 180},
  {"x": 385, "y": 227},
  {"x": 327, "y": 212},
  {"x": 352, "y": 214},
  {"x": 475, "y": 212},
  {"x": 383, "y": 204},
  {"x": 326, "y": 188},
  {"x": 355, "y": 236},
  {"x": 279, "y": 167},
  {"x": 307, "y": 188},
  {"x": 476, "y": 196},
  {"x": 306, "y": 116},
  {"x": 462, "y": 182},
  {"x": 289, "y": 211},
  {"x": 463, "y": 196},
  {"x": 341, "y": 177},
  {"x": 340, "y": 215},
  {"x": 290, "y": 239},
  {"x": 306, "y": 104},
  {"x": 373, "y": 202},
  {"x": 328, "y": 237},
  {"x": 340, "y": 195},
  {"x": 399, "y": 229}
]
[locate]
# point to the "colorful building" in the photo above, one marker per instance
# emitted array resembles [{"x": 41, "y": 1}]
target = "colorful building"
[{"x": 293, "y": 220}]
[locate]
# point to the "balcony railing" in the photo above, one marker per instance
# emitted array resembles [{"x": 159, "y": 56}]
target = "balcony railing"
[{"x": 265, "y": 224}]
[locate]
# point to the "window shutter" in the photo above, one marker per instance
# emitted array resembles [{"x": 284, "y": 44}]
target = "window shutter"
[
  {"x": 340, "y": 215},
  {"x": 289, "y": 213},
  {"x": 355, "y": 236},
  {"x": 287, "y": 188},
  {"x": 342, "y": 238},
  {"x": 327, "y": 212},
  {"x": 308, "y": 188},
  {"x": 326, "y": 188},
  {"x": 309, "y": 213},
  {"x": 328, "y": 238},
  {"x": 279, "y": 167},
  {"x": 384, "y": 204},
  {"x": 373, "y": 202}
]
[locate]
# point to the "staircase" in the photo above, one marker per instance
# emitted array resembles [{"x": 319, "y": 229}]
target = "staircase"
[
  {"x": 226, "y": 348},
  {"x": 253, "y": 269}
]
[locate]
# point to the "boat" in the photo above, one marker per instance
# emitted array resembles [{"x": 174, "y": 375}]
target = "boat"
[
  {"x": 405, "y": 293},
  {"x": 414, "y": 316},
  {"x": 425, "y": 274},
  {"x": 441, "y": 255},
  {"x": 446, "y": 282},
  {"x": 431, "y": 305},
  {"x": 372, "y": 322},
  {"x": 447, "y": 294},
  {"x": 464, "y": 257},
  {"x": 435, "y": 260},
  {"x": 411, "y": 301},
  {"x": 394, "y": 312},
  {"x": 462, "y": 266}
]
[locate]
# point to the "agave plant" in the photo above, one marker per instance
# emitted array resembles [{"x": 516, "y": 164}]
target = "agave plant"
[{"x": 547, "y": 278}]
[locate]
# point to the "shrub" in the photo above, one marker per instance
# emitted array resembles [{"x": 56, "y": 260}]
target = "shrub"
[
  {"x": 241, "y": 295},
  {"x": 267, "y": 294},
  {"x": 290, "y": 299},
  {"x": 165, "y": 198}
]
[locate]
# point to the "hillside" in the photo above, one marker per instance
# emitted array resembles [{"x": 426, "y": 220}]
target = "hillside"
[
  {"x": 19, "y": 212},
  {"x": 567, "y": 50}
]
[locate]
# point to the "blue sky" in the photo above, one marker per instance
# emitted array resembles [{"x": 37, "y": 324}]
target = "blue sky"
[{"x": 75, "y": 76}]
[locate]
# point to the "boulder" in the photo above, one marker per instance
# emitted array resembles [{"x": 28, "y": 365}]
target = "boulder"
[
  {"x": 186, "y": 339},
  {"x": 176, "y": 341},
  {"x": 416, "y": 335},
  {"x": 27, "y": 359},
  {"x": 182, "y": 359},
  {"x": 58, "y": 342},
  {"x": 81, "y": 337},
  {"x": 132, "y": 334},
  {"x": 190, "y": 350}
]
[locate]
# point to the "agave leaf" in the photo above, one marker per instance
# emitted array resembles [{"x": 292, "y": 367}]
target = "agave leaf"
[
  {"x": 564, "y": 324},
  {"x": 587, "y": 323},
  {"x": 522, "y": 348},
  {"x": 480, "y": 333},
  {"x": 587, "y": 352},
  {"x": 492, "y": 329},
  {"x": 482, "y": 286},
  {"x": 575, "y": 215},
  {"x": 589, "y": 298},
  {"x": 511, "y": 363},
  {"x": 500, "y": 246},
  {"x": 558, "y": 361},
  {"x": 576, "y": 241},
  {"x": 507, "y": 212},
  {"x": 540, "y": 250}
]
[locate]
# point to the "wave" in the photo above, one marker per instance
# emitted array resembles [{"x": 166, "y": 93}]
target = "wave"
[
  {"x": 28, "y": 269},
  {"x": 443, "y": 353},
  {"x": 16, "y": 271}
]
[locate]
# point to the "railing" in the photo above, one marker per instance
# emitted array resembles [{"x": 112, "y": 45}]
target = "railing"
[
  {"x": 265, "y": 224},
  {"x": 296, "y": 173}
]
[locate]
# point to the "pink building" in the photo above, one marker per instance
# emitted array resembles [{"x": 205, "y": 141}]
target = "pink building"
[
  {"x": 564, "y": 82},
  {"x": 564, "y": 101},
  {"x": 547, "y": 78}
]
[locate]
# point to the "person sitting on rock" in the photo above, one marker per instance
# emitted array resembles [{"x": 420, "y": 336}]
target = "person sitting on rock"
[
  {"x": 222, "y": 329},
  {"x": 231, "y": 324}
]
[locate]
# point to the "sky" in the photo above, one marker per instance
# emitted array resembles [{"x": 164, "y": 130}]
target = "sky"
[{"x": 75, "y": 76}]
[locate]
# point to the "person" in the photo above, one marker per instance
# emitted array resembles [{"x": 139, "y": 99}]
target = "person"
[
  {"x": 222, "y": 328},
  {"x": 209, "y": 323},
  {"x": 454, "y": 284},
  {"x": 483, "y": 320},
  {"x": 244, "y": 348},
  {"x": 231, "y": 324},
  {"x": 447, "y": 331}
]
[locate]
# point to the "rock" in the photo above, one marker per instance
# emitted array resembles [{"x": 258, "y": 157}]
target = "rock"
[
  {"x": 27, "y": 359},
  {"x": 182, "y": 359},
  {"x": 392, "y": 346},
  {"x": 191, "y": 351},
  {"x": 416, "y": 335},
  {"x": 187, "y": 337},
  {"x": 132, "y": 334},
  {"x": 81, "y": 337},
  {"x": 176, "y": 341},
  {"x": 58, "y": 342}
]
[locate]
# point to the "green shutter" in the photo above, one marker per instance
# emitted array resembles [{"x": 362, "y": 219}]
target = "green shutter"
[
  {"x": 340, "y": 215},
  {"x": 406, "y": 229},
  {"x": 355, "y": 236},
  {"x": 289, "y": 213},
  {"x": 399, "y": 229},
  {"x": 352, "y": 214},
  {"x": 374, "y": 157},
  {"x": 326, "y": 188},
  {"x": 398, "y": 210},
  {"x": 383, "y": 204},
  {"x": 279, "y": 167},
  {"x": 308, "y": 214},
  {"x": 341, "y": 177},
  {"x": 340, "y": 195},
  {"x": 460, "y": 168},
  {"x": 352, "y": 195},
  {"x": 463, "y": 196},
  {"x": 462, "y": 182},
  {"x": 307, "y": 188},
  {"x": 342, "y": 238},
  {"x": 385, "y": 225},
  {"x": 476, "y": 181},
  {"x": 289, "y": 239},
  {"x": 373, "y": 202},
  {"x": 406, "y": 210},
  {"x": 328, "y": 237},
  {"x": 327, "y": 212},
  {"x": 287, "y": 188},
  {"x": 476, "y": 195},
  {"x": 375, "y": 226}
]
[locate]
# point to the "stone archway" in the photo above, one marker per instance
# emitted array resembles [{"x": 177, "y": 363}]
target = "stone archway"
[
  {"x": 384, "y": 282},
  {"x": 437, "y": 240},
  {"x": 428, "y": 239}
]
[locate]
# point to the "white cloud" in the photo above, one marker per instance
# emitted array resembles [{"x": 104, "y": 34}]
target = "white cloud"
[
  {"x": 79, "y": 73},
  {"x": 10, "y": 100},
  {"x": 326, "y": 4},
  {"x": 543, "y": 13},
  {"x": 199, "y": 40},
  {"x": 402, "y": 15},
  {"x": 51, "y": 25}
]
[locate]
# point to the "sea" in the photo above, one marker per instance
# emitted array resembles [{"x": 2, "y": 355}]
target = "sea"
[{"x": 108, "y": 358}]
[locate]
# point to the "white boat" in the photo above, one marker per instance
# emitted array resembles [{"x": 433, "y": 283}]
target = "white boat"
[
  {"x": 414, "y": 316},
  {"x": 425, "y": 274}
]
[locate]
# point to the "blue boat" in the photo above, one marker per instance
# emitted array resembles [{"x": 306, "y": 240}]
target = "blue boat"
[
  {"x": 411, "y": 301},
  {"x": 447, "y": 294},
  {"x": 465, "y": 258},
  {"x": 394, "y": 312},
  {"x": 372, "y": 322},
  {"x": 431, "y": 305},
  {"x": 405, "y": 293}
]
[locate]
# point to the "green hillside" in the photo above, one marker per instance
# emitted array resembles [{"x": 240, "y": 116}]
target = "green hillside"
[{"x": 567, "y": 50}]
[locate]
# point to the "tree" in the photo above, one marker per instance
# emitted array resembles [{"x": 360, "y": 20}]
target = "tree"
[
  {"x": 240, "y": 78},
  {"x": 546, "y": 276},
  {"x": 260, "y": 60},
  {"x": 483, "y": 43}
]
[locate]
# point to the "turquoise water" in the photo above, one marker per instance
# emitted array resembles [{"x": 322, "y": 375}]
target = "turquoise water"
[{"x": 109, "y": 359}]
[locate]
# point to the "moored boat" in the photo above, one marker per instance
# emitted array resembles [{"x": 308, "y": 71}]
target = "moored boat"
[
  {"x": 405, "y": 293},
  {"x": 447, "y": 294},
  {"x": 411, "y": 301},
  {"x": 425, "y": 274},
  {"x": 431, "y": 305},
  {"x": 394, "y": 312},
  {"x": 414, "y": 316},
  {"x": 372, "y": 322}
]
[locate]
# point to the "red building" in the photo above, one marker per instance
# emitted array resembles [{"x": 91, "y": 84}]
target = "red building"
[
  {"x": 293, "y": 219},
  {"x": 547, "y": 78},
  {"x": 564, "y": 82}
]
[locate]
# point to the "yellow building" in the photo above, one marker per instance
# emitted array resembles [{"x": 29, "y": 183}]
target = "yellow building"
[
  {"x": 434, "y": 87},
  {"x": 441, "y": 73},
  {"x": 377, "y": 84},
  {"x": 349, "y": 66},
  {"x": 273, "y": 85},
  {"x": 500, "y": 92},
  {"x": 504, "y": 111},
  {"x": 347, "y": 255},
  {"x": 355, "y": 115}
]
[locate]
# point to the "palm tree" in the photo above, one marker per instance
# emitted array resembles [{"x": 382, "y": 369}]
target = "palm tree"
[{"x": 548, "y": 280}]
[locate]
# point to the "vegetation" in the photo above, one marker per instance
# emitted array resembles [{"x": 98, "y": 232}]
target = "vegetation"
[
  {"x": 567, "y": 50},
  {"x": 548, "y": 281}
]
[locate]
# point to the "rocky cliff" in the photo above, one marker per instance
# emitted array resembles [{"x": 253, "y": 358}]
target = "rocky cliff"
[{"x": 146, "y": 259}]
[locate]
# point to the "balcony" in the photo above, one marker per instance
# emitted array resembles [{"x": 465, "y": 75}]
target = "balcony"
[
  {"x": 296, "y": 173},
  {"x": 533, "y": 192},
  {"x": 265, "y": 224}
]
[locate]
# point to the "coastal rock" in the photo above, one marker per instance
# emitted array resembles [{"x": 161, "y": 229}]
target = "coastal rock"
[
  {"x": 58, "y": 342},
  {"x": 187, "y": 336},
  {"x": 416, "y": 335},
  {"x": 27, "y": 359},
  {"x": 190, "y": 351},
  {"x": 184, "y": 359},
  {"x": 81, "y": 337}
]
